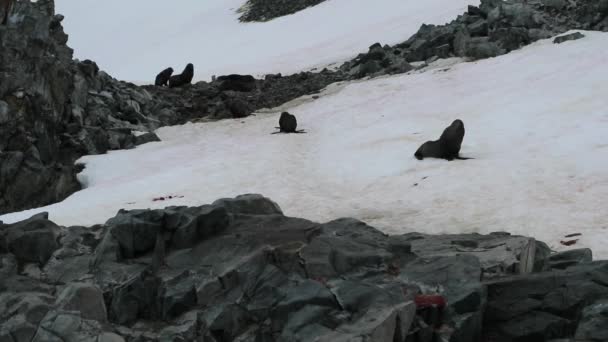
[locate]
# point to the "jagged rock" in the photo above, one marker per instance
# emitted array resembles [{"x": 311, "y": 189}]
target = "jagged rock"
[
  {"x": 239, "y": 270},
  {"x": 570, "y": 258},
  {"x": 478, "y": 28},
  {"x": 594, "y": 322},
  {"x": 84, "y": 298},
  {"x": 190, "y": 227},
  {"x": 481, "y": 47},
  {"x": 146, "y": 138},
  {"x": 32, "y": 240},
  {"x": 557, "y": 4},
  {"x": 513, "y": 303},
  {"x": 244, "y": 83},
  {"x": 136, "y": 231},
  {"x": 250, "y": 204},
  {"x": 264, "y": 10},
  {"x": 567, "y": 37}
]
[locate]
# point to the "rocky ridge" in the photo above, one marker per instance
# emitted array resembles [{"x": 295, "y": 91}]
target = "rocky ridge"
[
  {"x": 239, "y": 270},
  {"x": 494, "y": 28},
  {"x": 265, "y": 10}
]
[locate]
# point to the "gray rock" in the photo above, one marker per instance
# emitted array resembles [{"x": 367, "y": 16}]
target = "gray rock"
[
  {"x": 32, "y": 240},
  {"x": 146, "y": 138},
  {"x": 570, "y": 258},
  {"x": 250, "y": 204},
  {"x": 568, "y": 37},
  {"x": 557, "y": 4},
  {"x": 478, "y": 28},
  {"x": 84, "y": 298},
  {"x": 136, "y": 230},
  {"x": 594, "y": 322},
  {"x": 482, "y": 47},
  {"x": 264, "y": 10},
  {"x": 191, "y": 227}
]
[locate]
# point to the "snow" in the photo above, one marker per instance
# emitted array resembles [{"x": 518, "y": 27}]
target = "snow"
[
  {"x": 135, "y": 39},
  {"x": 536, "y": 125}
]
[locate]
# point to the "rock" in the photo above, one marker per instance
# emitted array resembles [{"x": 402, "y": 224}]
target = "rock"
[
  {"x": 510, "y": 39},
  {"x": 482, "y": 47},
  {"x": 594, "y": 322},
  {"x": 264, "y": 10},
  {"x": 250, "y": 204},
  {"x": 84, "y": 298},
  {"x": 109, "y": 337},
  {"x": 476, "y": 11},
  {"x": 545, "y": 326},
  {"x": 146, "y": 138},
  {"x": 4, "y": 112},
  {"x": 135, "y": 231},
  {"x": 551, "y": 300},
  {"x": 238, "y": 108},
  {"x": 32, "y": 240},
  {"x": 478, "y": 28},
  {"x": 190, "y": 227},
  {"x": 239, "y": 270},
  {"x": 567, "y": 37},
  {"x": 570, "y": 258},
  {"x": 556, "y": 4},
  {"x": 243, "y": 83}
]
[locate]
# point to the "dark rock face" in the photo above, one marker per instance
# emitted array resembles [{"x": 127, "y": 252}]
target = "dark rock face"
[
  {"x": 567, "y": 37},
  {"x": 264, "y": 10},
  {"x": 239, "y": 270},
  {"x": 237, "y": 82}
]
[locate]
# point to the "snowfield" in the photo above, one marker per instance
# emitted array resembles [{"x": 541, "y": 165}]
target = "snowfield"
[
  {"x": 135, "y": 39},
  {"x": 536, "y": 122}
]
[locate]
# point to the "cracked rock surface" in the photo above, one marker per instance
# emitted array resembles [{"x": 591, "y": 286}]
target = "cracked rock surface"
[{"x": 239, "y": 270}]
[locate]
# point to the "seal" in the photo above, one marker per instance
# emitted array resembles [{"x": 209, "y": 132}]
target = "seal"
[
  {"x": 288, "y": 124},
  {"x": 448, "y": 145},
  {"x": 182, "y": 79},
  {"x": 162, "y": 79}
]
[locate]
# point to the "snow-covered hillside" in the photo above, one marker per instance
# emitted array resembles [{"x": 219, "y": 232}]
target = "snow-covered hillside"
[
  {"x": 135, "y": 39},
  {"x": 535, "y": 118}
]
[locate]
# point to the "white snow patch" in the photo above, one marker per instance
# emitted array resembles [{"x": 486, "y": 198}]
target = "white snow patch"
[
  {"x": 536, "y": 123},
  {"x": 135, "y": 39}
]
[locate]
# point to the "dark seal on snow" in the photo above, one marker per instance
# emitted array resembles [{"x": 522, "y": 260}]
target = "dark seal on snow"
[
  {"x": 448, "y": 145},
  {"x": 162, "y": 79},
  {"x": 287, "y": 123},
  {"x": 182, "y": 79}
]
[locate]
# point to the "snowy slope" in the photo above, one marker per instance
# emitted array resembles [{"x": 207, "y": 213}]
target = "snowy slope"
[
  {"x": 135, "y": 39},
  {"x": 536, "y": 123}
]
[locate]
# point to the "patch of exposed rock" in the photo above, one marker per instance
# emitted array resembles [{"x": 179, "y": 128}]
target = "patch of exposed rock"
[
  {"x": 239, "y": 270},
  {"x": 494, "y": 28},
  {"x": 265, "y": 10}
]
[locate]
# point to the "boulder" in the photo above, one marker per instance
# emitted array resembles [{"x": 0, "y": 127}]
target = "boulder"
[
  {"x": 84, "y": 298},
  {"x": 568, "y": 37},
  {"x": 33, "y": 240}
]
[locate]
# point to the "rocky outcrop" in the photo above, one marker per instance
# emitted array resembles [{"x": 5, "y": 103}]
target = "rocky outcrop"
[
  {"x": 265, "y": 10},
  {"x": 492, "y": 29},
  {"x": 239, "y": 270}
]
